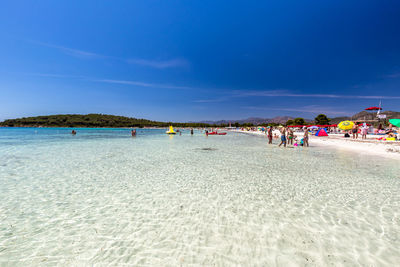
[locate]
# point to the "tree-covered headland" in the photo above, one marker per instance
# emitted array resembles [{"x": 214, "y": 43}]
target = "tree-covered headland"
[{"x": 90, "y": 120}]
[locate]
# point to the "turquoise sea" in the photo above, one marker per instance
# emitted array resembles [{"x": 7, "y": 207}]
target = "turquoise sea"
[{"x": 105, "y": 198}]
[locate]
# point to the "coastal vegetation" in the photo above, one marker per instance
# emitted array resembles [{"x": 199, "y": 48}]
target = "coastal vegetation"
[
  {"x": 296, "y": 121},
  {"x": 322, "y": 119},
  {"x": 90, "y": 120},
  {"x": 111, "y": 121}
]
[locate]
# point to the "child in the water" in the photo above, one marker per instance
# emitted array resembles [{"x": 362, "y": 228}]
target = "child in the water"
[
  {"x": 295, "y": 140},
  {"x": 301, "y": 141}
]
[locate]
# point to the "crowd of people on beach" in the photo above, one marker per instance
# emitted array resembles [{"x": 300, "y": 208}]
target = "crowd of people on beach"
[
  {"x": 287, "y": 136},
  {"x": 365, "y": 129},
  {"x": 287, "y": 133}
]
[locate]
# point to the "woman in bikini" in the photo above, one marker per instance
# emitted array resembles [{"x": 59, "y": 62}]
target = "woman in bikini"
[{"x": 290, "y": 136}]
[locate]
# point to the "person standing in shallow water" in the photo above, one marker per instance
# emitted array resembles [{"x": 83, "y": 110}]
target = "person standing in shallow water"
[
  {"x": 290, "y": 137},
  {"x": 283, "y": 137},
  {"x": 355, "y": 131},
  {"x": 73, "y": 132},
  {"x": 133, "y": 132},
  {"x": 364, "y": 131},
  {"x": 191, "y": 131},
  {"x": 305, "y": 137},
  {"x": 269, "y": 133}
]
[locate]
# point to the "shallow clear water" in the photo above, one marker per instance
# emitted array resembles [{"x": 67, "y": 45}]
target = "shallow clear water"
[{"x": 102, "y": 197}]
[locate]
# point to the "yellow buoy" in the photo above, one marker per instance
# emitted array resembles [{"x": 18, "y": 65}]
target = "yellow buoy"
[{"x": 171, "y": 130}]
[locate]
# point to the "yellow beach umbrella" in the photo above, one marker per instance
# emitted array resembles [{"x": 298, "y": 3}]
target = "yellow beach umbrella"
[{"x": 346, "y": 125}]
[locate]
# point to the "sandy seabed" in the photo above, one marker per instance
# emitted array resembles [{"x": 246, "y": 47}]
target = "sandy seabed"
[{"x": 104, "y": 198}]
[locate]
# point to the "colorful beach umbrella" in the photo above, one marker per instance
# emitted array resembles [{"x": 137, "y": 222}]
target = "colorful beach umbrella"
[
  {"x": 346, "y": 125},
  {"x": 373, "y": 108},
  {"x": 395, "y": 122}
]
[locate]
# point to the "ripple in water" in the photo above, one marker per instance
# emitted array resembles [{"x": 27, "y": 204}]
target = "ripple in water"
[{"x": 155, "y": 200}]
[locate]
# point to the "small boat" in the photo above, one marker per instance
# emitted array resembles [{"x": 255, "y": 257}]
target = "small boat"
[
  {"x": 170, "y": 131},
  {"x": 216, "y": 133}
]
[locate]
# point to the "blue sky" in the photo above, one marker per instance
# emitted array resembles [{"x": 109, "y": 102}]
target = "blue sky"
[{"x": 198, "y": 60}]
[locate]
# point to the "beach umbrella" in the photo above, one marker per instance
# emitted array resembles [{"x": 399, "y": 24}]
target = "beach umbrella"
[
  {"x": 395, "y": 122},
  {"x": 378, "y": 109},
  {"x": 346, "y": 125},
  {"x": 373, "y": 108}
]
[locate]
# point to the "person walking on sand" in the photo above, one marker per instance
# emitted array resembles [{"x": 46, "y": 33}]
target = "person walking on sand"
[
  {"x": 269, "y": 132},
  {"x": 355, "y": 131},
  {"x": 283, "y": 137},
  {"x": 305, "y": 137}
]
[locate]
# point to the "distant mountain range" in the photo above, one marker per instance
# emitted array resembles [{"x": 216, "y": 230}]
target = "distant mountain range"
[
  {"x": 254, "y": 120},
  {"x": 363, "y": 115}
]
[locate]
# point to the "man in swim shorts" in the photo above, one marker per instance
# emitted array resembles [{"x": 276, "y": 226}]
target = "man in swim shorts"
[{"x": 283, "y": 137}]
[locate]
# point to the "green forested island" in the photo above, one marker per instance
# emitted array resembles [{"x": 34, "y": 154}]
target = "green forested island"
[{"x": 90, "y": 120}]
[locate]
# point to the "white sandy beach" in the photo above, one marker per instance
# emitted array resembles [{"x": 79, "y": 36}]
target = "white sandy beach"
[{"x": 370, "y": 146}]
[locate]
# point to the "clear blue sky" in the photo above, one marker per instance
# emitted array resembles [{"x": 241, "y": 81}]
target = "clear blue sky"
[{"x": 197, "y": 60}]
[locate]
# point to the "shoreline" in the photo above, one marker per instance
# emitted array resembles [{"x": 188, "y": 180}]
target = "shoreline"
[
  {"x": 367, "y": 147},
  {"x": 84, "y": 127}
]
